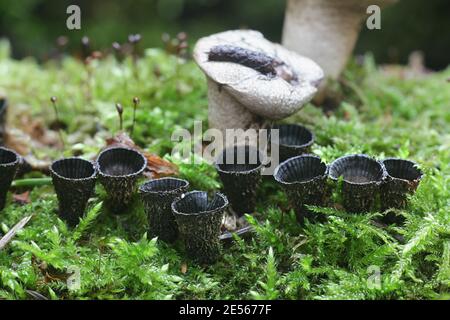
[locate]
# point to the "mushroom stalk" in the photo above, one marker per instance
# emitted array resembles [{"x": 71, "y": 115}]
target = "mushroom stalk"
[
  {"x": 325, "y": 30},
  {"x": 225, "y": 112}
]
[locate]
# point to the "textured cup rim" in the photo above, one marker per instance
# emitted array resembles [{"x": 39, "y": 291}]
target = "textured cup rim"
[
  {"x": 53, "y": 172},
  {"x": 277, "y": 169},
  {"x": 187, "y": 194},
  {"x": 101, "y": 173},
  {"x": 414, "y": 164},
  {"x": 366, "y": 157},
  {"x": 296, "y": 146},
  {"x": 12, "y": 163},
  {"x": 171, "y": 191},
  {"x": 244, "y": 172}
]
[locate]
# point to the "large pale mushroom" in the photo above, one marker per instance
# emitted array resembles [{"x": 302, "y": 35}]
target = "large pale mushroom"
[
  {"x": 326, "y": 30},
  {"x": 252, "y": 81}
]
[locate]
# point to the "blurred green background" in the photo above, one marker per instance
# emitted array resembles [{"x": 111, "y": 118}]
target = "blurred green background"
[{"x": 33, "y": 25}]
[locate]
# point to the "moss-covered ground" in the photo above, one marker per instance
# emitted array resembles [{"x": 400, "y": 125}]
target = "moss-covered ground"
[{"x": 384, "y": 112}]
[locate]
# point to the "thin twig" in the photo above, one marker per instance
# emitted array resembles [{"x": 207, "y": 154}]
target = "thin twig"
[
  {"x": 11, "y": 233},
  {"x": 34, "y": 182}
]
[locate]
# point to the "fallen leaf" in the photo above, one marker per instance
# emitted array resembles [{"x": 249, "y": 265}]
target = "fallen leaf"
[
  {"x": 22, "y": 198},
  {"x": 156, "y": 166}
]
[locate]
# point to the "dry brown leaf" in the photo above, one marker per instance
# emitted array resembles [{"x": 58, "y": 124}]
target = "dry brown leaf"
[{"x": 22, "y": 198}]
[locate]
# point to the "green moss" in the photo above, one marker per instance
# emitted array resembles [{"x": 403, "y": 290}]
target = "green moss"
[{"x": 382, "y": 115}]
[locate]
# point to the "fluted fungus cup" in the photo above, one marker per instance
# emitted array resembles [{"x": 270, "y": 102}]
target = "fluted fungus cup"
[
  {"x": 74, "y": 181},
  {"x": 157, "y": 196},
  {"x": 9, "y": 163},
  {"x": 403, "y": 178},
  {"x": 294, "y": 140},
  {"x": 362, "y": 177},
  {"x": 199, "y": 218},
  {"x": 304, "y": 179},
  {"x": 252, "y": 81},
  {"x": 3, "y": 116},
  {"x": 119, "y": 169},
  {"x": 239, "y": 168}
]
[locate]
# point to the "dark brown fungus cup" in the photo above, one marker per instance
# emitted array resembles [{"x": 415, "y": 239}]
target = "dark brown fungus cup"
[
  {"x": 9, "y": 163},
  {"x": 74, "y": 182},
  {"x": 403, "y": 178},
  {"x": 362, "y": 178},
  {"x": 199, "y": 218},
  {"x": 294, "y": 140},
  {"x": 239, "y": 168},
  {"x": 304, "y": 179},
  {"x": 157, "y": 196},
  {"x": 119, "y": 169},
  {"x": 3, "y": 113}
]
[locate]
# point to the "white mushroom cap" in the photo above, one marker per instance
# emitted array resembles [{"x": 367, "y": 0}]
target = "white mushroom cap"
[{"x": 268, "y": 96}]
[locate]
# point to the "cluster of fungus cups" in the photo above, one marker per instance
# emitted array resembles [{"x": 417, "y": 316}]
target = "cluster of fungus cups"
[
  {"x": 119, "y": 169},
  {"x": 9, "y": 164},
  {"x": 293, "y": 140},
  {"x": 199, "y": 218},
  {"x": 74, "y": 182},
  {"x": 157, "y": 196},
  {"x": 403, "y": 178},
  {"x": 239, "y": 169},
  {"x": 362, "y": 178},
  {"x": 304, "y": 178}
]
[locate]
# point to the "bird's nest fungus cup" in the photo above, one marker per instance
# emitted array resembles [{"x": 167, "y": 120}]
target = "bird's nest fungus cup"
[
  {"x": 362, "y": 177},
  {"x": 403, "y": 178},
  {"x": 157, "y": 196},
  {"x": 74, "y": 181},
  {"x": 294, "y": 140},
  {"x": 304, "y": 179},
  {"x": 119, "y": 169},
  {"x": 252, "y": 81},
  {"x": 239, "y": 168},
  {"x": 199, "y": 219},
  {"x": 9, "y": 163},
  {"x": 3, "y": 114}
]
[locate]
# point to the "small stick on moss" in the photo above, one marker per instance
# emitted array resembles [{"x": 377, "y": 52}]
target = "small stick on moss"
[
  {"x": 135, "y": 105},
  {"x": 58, "y": 120},
  {"x": 32, "y": 182},
  {"x": 12, "y": 232},
  {"x": 119, "y": 109}
]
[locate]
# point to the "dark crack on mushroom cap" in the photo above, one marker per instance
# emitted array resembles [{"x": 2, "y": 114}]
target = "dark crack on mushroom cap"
[
  {"x": 199, "y": 219},
  {"x": 9, "y": 163},
  {"x": 294, "y": 140},
  {"x": 74, "y": 181},
  {"x": 239, "y": 168},
  {"x": 119, "y": 169},
  {"x": 258, "y": 61},
  {"x": 157, "y": 196},
  {"x": 403, "y": 178},
  {"x": 304, "y": 179},
  {"x": 362, "y": 177}
]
